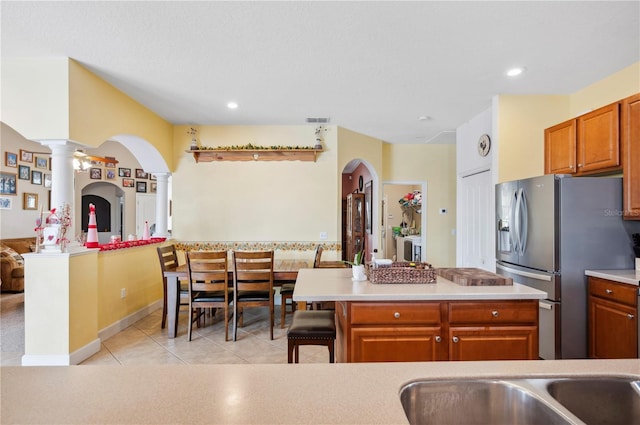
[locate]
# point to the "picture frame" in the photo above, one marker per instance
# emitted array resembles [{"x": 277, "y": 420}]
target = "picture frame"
[
  {"x": 47, "y": 181},
  {"x": 6, "y": 203},
  {"x": 8, "y": 183},
  {"x": 24, "y": 172},
  {"x": 368, "y": 216},
  {"x": 141, "y": 187},
  {"x": 124, "y": 172},
  {"x": 153, "y": 187},
  {"x": 49, "y": 200},
  {"x": 111, "y": 162},
  {"x": 153, "y": 177},
  {"x": 11, "y": 159},
  {"x": 110, "y": 174},
  {"x": 30, "y": 201},
  {"x": 128, "y": 183},
  {"x": 96, "y": 163},
  {"x": 26, "y": 156},
  {"x": 36, "y": 177},
  {"x": 42, "y": 162},
  {"x": 95, "y": 173},
  {"x": 140, "y": 174}
]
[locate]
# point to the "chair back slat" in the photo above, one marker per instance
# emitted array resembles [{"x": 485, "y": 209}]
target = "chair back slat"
[
  {"x": 317, "y": 256},
  {"x": 168, "y": 257},
  {"x": 207, "y": 271}
]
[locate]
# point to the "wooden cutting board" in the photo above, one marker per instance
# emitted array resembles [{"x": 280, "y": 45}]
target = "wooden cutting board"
[{"x": 474, "y": 277}]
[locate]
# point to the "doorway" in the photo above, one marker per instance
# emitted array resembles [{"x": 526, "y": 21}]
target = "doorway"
[{"x": 413, "y": 218}]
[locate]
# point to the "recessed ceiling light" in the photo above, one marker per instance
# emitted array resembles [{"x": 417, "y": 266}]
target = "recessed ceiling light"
[
  {"x": 232, "y": 105},
  {"x": 514, "y": 72},
  {"x": 424, "y": 118}
]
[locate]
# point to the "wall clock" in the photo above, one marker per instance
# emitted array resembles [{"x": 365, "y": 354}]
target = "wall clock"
[{"x": 484, "y": 145}]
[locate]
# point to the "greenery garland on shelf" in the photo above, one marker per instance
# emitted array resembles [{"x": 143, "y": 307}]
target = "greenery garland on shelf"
[{"x": 252, "y": 147}]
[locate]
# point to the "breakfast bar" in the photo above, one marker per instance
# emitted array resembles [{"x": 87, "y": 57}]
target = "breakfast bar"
[{"x": 421, "y": 322}]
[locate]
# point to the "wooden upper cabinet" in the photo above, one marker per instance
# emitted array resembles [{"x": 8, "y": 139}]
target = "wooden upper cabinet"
[
  {"x": 630, "y": 136},
  {"x": 598, "y": 147},
  {"x": 560, "y": 148}
]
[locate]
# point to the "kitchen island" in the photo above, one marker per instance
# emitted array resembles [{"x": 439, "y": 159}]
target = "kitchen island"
[
  {"x": 241, "y": 394},
  {"x": 421, "y": 322}
]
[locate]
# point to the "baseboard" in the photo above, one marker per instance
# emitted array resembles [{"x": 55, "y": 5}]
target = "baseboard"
[{"x": 127, "y": 321}]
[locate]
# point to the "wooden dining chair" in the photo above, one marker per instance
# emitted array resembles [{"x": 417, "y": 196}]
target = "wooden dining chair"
[
  {"x": 169, "y": 260},
  {"x": 252, "y": 284},
  {"x": 319, "y": 264},
  {"x": 208, "y": 286},
  {"x": 286, "y": 293}
]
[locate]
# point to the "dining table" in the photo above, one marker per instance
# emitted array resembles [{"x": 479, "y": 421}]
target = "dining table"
[{"x": 284, "y": 271}]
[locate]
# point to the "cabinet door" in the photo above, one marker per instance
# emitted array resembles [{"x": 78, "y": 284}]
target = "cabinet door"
[
  {"x": 599, "y": 139},
  {"x": 630, "y": 134},
  {"x": 493, "y": 343},
  {"x": 560, "y": 148},
  {"x": 613, "y": 330},
  {"x": 396, "y": 344}
]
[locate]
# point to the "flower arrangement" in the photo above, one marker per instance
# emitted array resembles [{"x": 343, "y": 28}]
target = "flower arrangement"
[
  {"x": 65, "y": 223},
  {"x": 252, "y": 147},
  {"x": 194, "y": 139}
]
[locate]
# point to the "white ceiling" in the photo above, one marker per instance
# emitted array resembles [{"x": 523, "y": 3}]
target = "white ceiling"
[{"x": 372, "y": 67}]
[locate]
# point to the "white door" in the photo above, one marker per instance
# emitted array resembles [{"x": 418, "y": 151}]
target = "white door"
[
  {"x": 145, "y": 211},
  {"x": 475, "y": 230}
]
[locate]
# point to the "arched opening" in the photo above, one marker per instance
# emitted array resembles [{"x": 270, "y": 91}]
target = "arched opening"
[{"x": 109, "y": 201}]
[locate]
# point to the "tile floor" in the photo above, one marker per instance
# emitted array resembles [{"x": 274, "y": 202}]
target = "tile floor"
[{"x": 145, "y": 343}]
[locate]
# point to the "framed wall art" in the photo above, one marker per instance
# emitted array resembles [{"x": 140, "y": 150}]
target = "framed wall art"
[
  {"x": 140, "y": 174},
  {"x": 11, "y": 159},
  {"x": 47, "y": 181},
  {"x": 24, "y": 172},
  {"x": 6, "y": 203},
  {"x": 30, "y": 201},
  {"x": 42, "y": 162},
  {"x": 141, "y": 187},
  {"x": 111, "y": 162},
  {"x": 36, "y": 177},
  {"x": 128, "y": 183},
  {"x": 95, "y": 173},
  {"x": 110, "y": 174},
  {"x": 124, "y": 172},
  {"x": 8, "y": 184},
  {"x": 153, "y": 187},
  {"x": 26, "y": 156}
]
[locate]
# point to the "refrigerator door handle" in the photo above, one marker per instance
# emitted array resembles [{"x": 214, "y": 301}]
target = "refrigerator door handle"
[
  {"x": 537, "y": 276},
  {"x": 544, "y": 305},
  {"x": 516, "y": 222},
  {"x": 525, "y": 222}
]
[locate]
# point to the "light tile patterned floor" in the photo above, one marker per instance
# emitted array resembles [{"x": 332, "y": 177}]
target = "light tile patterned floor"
[{"x": 145, "y": 343}]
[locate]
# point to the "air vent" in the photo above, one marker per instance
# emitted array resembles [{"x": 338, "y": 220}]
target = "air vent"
[{"x": 318, "y": 120}]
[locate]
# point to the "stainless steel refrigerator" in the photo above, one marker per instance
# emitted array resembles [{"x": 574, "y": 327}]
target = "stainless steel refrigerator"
[{"x": 550, "y": 229}]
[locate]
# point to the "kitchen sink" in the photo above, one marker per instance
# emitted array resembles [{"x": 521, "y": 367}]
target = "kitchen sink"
[
  {"x": 562, "y": 401},
  {"x": 599, "y": 400}
]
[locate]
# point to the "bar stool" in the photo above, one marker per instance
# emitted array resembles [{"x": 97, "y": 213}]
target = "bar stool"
[{"x": 311, "y": 327}]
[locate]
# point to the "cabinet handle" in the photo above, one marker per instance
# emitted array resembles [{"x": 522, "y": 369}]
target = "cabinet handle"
[
  {"x": 571, "y": 167},
  {"x": 456, "y": 339},
  {"x": 609, "y": 291},
  {"x": 438, "y": 338},
  {"x": 494, "y": 313},
  {"x": 579, "y": 165},
  {"x": 396, "y": 315},
  {"x": 630, "y": 316}
]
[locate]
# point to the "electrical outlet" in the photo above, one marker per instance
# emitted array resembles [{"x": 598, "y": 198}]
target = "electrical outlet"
[
  {"x": 324, "y": 236},
  {"x": 123, "y": 293}
]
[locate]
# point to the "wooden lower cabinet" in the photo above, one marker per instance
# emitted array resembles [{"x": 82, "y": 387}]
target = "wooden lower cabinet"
[
  {"x": 613, "y": 321},
  {"x": 436, "y": 330}
]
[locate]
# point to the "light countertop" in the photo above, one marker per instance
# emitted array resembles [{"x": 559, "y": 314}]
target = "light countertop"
[
  {"x": 365, "y": 393},
  {"x": 629, "y": 276},
  {"x": 337, "y": 285}
]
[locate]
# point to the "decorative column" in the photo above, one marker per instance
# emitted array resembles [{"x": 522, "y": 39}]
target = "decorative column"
[
  {"x": 62, "y": 185},
  {"x": 162, "y": 205}
]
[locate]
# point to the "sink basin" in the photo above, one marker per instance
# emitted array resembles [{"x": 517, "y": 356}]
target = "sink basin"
[
  {"x": 599, "y": 400},
  {"x": 568, "y": 401},
  {"x": 478, "y": 402}
]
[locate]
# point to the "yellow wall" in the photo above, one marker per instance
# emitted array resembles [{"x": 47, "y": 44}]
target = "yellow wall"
[
  {"x": 35, "y": 97},
  {"x": 255, "y": 200},
  {"x": 435, "y": 164},
  {"x": 521, "y": 121},
  {"x": 98, "y": 111},
  {"x": 83, "y": 301},
  {"x": 135, "y": 269}
]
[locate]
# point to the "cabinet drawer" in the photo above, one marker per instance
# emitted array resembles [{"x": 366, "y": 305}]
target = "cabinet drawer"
[
  {"x": 395, "y": 313},
  {"x": 614, "y": 291},
  {"x": 491, "y": 312}
]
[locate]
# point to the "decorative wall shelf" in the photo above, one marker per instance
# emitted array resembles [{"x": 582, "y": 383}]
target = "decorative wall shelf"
[{"x": 209, "y": 155}]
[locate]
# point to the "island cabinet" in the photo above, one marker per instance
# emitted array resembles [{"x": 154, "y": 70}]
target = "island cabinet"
[
  {"x": 613, "y": 321},
  {"x": 488, "y": 330},
  {"x": 436, "y": 330},
  {"x": 585, "y": 145}
]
